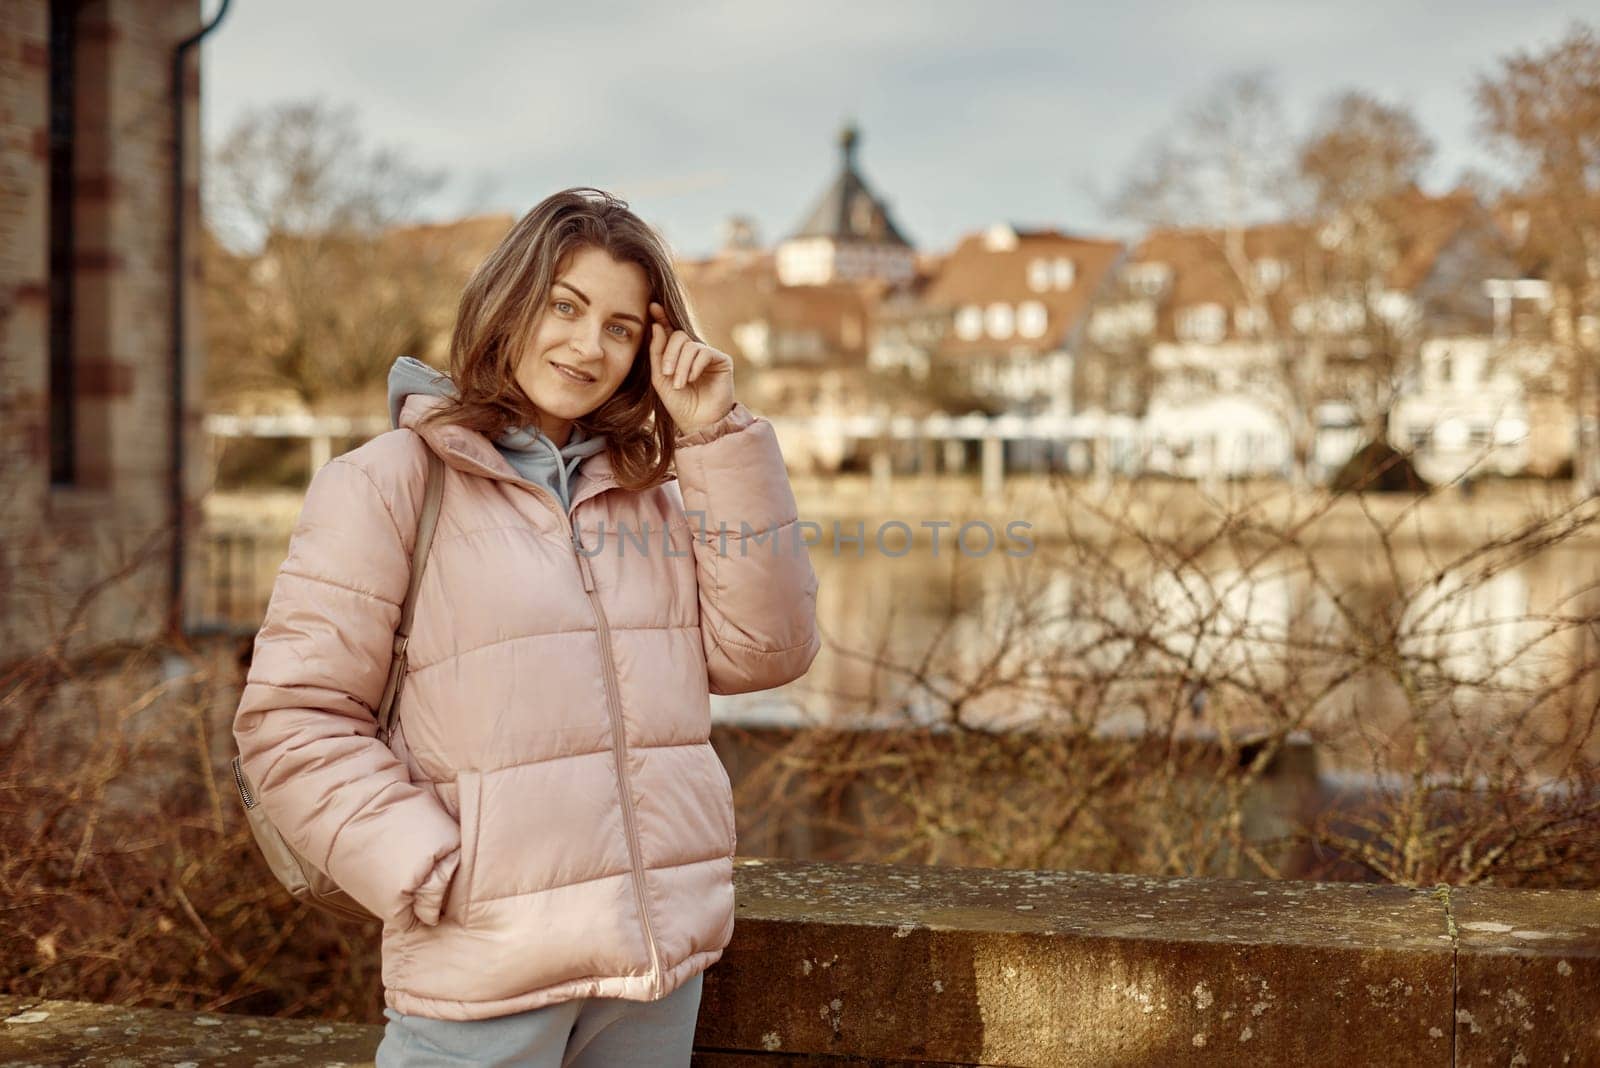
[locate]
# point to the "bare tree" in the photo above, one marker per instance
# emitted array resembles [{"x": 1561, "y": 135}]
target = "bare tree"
[
  {"x": 1140, "y": 694},
  {"x": 1327, "y": 300},
  {"x": 1361, "y": 165},
  {"x": 1540, "y": 111},
  {"x": 307, "y": 288},
  {"x": 1223, "y": 169},
  {"x": 1224, "y": 163},
  {"x": 1362, "y": 151}
]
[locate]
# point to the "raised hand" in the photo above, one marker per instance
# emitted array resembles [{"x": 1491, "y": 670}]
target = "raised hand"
[{"x": 694, "y": 380}]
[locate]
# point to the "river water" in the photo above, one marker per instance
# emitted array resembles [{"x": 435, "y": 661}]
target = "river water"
[{"x": 1161, "y": 608}]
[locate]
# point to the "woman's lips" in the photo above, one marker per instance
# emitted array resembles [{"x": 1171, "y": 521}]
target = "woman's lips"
[{"x": 571, "y": 375}]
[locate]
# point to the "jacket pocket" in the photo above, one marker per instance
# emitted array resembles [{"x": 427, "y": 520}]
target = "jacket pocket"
[
  {"x": 469, "y": 797},
  {"x": 732, "y": 811}
]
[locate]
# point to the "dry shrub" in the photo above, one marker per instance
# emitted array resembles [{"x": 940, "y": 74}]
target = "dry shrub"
[
  {"x": 1177, "y": 694},
  {"x": 130, "y": 877},
  {"x": 1122, "y": 700}
]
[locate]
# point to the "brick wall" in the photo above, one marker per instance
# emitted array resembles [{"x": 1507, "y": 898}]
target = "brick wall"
[{"x": 56, "y": 541}]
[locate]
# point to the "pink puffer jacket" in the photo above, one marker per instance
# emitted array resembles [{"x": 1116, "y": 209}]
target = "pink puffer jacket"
[{"x": 550, "y": 820}]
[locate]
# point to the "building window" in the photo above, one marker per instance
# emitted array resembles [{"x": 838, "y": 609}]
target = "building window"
[
  {"x": 1039, "y": 275},
  {"x": 1327, "y": 315},
  {"x": 1032, "y": 319},
  {"x": 1048, "y": 274},
  {"x": 1304, "y": 317},
  {"x": 800, "y": 345},
  {"x": 1205, "y": 323},
  {"x": 1000, "y": 320},
  {"x": 1250, "y": 321},
  {"x": 1270, "y": 274},
  {"x": 754, "y": 340},
  {"x": 1148, "y": 279},
  {"x": 1114, "y": 323},
  {"x": 969, "y": 323},
  {"x": 1446, "y": 368},
  {"x": 63, "y": 239},
  {"x": 1396, "y": 309},
  {"x": 1333, "y": 234}
]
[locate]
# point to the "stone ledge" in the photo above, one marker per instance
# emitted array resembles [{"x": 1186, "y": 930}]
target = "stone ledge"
[
  {"x": 877, "y": 965},
  {"x": 1528, "y": 967},
  {"x": 969, "y": 966},
  {"x": 36, "y": 1032}
]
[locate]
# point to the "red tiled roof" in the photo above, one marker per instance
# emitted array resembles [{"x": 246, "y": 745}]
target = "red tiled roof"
[
  {"x": 1204, "y": 270},
  {"x": 725, "y": 294},
  {"x": 1427, "y": 225},
  {"x": 974, "y": 274},
  {"x": 1200, "y": 260}
]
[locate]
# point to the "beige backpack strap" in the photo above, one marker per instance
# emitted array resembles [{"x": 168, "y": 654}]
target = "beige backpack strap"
[{"x": 426, "y": 521}]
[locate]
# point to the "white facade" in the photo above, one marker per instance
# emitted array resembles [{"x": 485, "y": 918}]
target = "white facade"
[
  {"x": 815, "y": 261},
  {"x": 1204, "y": 421},
  {"x": 1466, "y": 410},
  {"x": 1210, "y": 415},
  {"x": 1024, "y": 376}
]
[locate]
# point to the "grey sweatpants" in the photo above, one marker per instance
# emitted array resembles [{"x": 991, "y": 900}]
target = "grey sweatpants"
[{"x": 583, "y": 1033}]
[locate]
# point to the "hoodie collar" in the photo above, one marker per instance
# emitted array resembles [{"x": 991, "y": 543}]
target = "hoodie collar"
[
  {"x": 468, "y": 450},
  {"x": 518, "y": 454}
]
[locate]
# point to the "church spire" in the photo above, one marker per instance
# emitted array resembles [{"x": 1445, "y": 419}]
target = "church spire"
[
  {"x": 849, "y": 137},
  {"x": 848, "y": 235}
]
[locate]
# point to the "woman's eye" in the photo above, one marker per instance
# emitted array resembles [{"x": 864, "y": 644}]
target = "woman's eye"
[
  {"x": 564, "y": 306},
  {"x": 620, "y": 331}
]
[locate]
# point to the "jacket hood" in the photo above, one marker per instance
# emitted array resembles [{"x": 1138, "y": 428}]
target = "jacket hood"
[{"x": 415, "y": 389}]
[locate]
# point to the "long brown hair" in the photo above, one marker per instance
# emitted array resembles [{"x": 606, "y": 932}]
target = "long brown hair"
[{"x": 505, "y": 297}]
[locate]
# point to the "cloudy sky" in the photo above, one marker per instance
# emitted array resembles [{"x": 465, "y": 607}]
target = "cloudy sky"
[{"x": 970, "y": 112}]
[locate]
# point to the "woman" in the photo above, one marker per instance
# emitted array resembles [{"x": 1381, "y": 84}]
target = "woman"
[{"x": 548, "y": 836}]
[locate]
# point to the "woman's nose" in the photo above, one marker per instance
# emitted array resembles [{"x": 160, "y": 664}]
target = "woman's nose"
[{"x": 586, "y": 341}]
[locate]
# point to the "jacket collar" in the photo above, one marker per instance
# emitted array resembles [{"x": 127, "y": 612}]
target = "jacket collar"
[{"x": 469, "y": 451}]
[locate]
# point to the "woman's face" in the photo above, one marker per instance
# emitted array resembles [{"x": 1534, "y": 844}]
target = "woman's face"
[{"x": 585, "y": 338}]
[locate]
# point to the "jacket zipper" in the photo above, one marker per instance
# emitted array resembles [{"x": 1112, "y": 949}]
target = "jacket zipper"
[
  {"x": 244, "y": 787},
  {"x": 620, "y": 742},
  {"x": 619, "y": 738}
]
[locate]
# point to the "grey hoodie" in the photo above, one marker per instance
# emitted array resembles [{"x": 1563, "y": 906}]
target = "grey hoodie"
[{"x": 534, "y": 456}]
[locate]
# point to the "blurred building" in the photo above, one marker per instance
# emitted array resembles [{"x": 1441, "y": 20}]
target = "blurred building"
[
  {"x": 800, "y": 317},
  {"x": 848, "y": 236},
  {"x": 1219, "y": 342},
  {"x": 1180, "y": 341},
  {"x": 87, "y": 286},
  {"x": 845, "y": 319},
  {"x": 800, "y": 350},
  {"x": 997, "y": 322}
]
